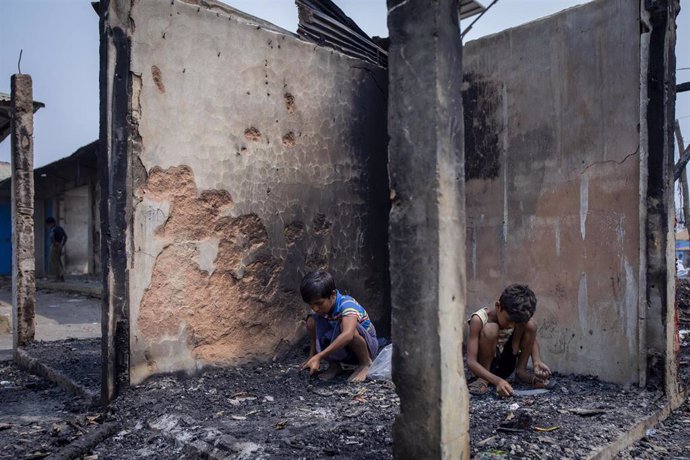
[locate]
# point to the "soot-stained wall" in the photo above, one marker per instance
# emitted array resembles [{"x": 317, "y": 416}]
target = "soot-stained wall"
[
  {"x": 552, "y": 116},
  {"x": 256, "y": 157}
]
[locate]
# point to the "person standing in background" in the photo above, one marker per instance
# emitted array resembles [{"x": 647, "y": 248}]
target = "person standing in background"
[{"x": 58, "y": 239}]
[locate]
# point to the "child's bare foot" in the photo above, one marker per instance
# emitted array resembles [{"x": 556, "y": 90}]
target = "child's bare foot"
[
  {"x": 360, "y": 374},
  {"x": 478, "y": 387},
  {"x": 535, "y": 381},
  {"x": 334, "y": 368}
]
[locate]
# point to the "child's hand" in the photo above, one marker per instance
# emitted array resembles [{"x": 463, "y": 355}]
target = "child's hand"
[
  {"x": 541, "y": 370},
  {"x": 503, "y": 388},
  {"x": 313, "y": 364}
]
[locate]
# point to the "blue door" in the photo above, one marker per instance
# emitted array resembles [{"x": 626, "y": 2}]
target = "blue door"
[{"x": 5, "y": 238}]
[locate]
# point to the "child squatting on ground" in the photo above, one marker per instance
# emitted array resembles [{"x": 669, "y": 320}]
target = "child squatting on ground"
[
  {"x": 339, "y": 329},
  {"x": 502, "y": 339}
]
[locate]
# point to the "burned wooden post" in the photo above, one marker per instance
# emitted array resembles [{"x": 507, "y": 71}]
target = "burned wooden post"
[
  {"x": 658, "y": 115},
  {"x": 115, "y": 131},
  {"x": 683, "y": 178},
  {"x": 23, "y": 258},
  {"x": 683, "y": 155},
  {"x": 427, "y": 228}
]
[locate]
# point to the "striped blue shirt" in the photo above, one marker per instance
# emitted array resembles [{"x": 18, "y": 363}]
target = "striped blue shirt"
[{"x": 347, "y": 306}]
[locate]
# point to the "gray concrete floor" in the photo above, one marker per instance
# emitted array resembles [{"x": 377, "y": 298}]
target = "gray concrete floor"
[{"x": 59, "y": 315}]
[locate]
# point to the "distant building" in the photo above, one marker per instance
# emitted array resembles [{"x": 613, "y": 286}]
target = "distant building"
[
  {"x": 5, "y": 174},
  {"x": 68, "y": 190},
  {"x": 5, "y": 170}
]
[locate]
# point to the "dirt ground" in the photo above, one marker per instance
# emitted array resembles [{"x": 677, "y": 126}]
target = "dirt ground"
[
  {"x": 38, "y": 418},
  {"x": 683, "y": 293},
  {"x": 80, "y": 359},
  {"x": 669, "y": 439},
  {"x": 259, "y": 411},
  {"x": 274, "y": 411},
  {"x": 684, "y": 355},
  {"x": 58, "y": 315},
  {"x": 571, "y": 421},
  {"x": 683, "y": 302}
]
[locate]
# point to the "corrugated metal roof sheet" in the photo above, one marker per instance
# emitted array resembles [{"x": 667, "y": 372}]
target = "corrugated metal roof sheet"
[
  {"x": 469, "y": 8},
  {"x": 323, "y": 23}
]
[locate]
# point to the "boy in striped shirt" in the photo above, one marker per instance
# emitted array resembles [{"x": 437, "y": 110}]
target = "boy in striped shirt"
[{"x": 339, "y": 329}]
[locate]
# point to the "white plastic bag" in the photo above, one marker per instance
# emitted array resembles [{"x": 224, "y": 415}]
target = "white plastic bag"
[{"x": 381, "y": 367}]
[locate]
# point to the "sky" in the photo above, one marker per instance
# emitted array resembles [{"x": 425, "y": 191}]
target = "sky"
[{"x": 59, "y": 39}]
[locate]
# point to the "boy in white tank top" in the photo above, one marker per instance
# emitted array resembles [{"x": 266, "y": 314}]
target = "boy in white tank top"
[{"x": 501, "y": 340}]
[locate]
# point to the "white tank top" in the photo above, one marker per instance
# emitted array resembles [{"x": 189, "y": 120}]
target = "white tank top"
[{"x": 503, "y": 334}]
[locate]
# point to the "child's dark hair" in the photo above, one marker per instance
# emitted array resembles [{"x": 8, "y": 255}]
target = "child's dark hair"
[
  {"x": 50, "y": 220},
  {"x": 519, "y": 301},
  {"x": 317, "y": 285}
]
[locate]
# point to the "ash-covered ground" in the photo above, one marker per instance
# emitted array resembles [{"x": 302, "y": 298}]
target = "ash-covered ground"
[
  {"x": 260, "y": 411},
  {"x": 669, "y": 439},
  {"x": 683, "y": 303},
  {"x": 80, "y": 359},
  {"x": 573, "y": 420},
  {"x": 274, "y": 411},
  {"x": 38, "y": 418}
]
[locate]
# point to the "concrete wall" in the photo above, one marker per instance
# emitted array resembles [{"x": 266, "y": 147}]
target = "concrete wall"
[
  {"x": 77, "y": 224},
  {"x": 552, "y": 113},
  {"x": 256, "y": 157},
  {"x": 427, "y": 223}
]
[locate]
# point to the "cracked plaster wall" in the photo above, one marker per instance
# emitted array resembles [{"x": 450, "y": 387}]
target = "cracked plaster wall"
[
  {"x": 258, "y": 157},
  {"x": 553, "y": 180}
]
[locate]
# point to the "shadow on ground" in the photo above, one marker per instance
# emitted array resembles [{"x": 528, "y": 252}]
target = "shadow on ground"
[{"x": 59, "y": 315}]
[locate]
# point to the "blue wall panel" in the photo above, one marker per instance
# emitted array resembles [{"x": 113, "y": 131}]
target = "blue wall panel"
[{"x": 5, "y": 238}]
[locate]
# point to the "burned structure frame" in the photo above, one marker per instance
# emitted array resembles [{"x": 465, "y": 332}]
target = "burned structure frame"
[{"x": 433, "y": 236}]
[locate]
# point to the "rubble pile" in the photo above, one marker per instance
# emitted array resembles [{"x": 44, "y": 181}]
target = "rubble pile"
[{"x": 683, "y": 295}]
